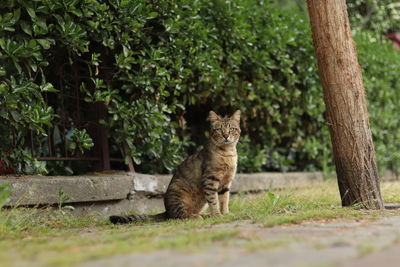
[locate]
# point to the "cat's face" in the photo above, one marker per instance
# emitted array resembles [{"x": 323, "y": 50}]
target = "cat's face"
[{"x": 225, "y": 131}]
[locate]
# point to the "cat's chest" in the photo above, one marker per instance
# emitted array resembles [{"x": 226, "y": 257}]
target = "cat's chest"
[{"x": 226, "y": 165}]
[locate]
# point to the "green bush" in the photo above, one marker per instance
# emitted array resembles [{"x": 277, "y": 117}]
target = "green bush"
[
  {"x": 381, "y": 16},
  {"x": 160, "y": 66},
  {"x": 381, "y": 65}
]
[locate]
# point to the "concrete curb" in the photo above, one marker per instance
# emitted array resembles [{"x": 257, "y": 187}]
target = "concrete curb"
[
  {"x": 157, "y": 184},
  {"x": 273, "y": 180},
  {"x": 107, "y": 194},
  {"x": 38, "y": 190}
]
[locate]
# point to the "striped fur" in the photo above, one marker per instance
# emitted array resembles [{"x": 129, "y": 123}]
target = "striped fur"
[
  {"x": 136, "y": 218},
  {"x": 203, "y": 178}
]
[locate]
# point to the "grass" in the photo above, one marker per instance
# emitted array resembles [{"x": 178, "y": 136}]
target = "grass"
[
  {"x": 366, "y": 249},
  {"x": 48, "y": 239}
]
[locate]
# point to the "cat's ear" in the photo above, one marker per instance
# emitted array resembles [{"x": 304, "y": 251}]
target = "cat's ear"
[
  {"x": 236, "y": 116},
  {"x": 213, "y": 117}
]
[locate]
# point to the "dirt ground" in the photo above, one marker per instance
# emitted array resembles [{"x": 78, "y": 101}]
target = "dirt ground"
[{"x": 322, "y": 243}]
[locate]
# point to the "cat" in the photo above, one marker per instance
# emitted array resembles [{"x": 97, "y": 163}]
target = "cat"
[{"x": 204, "y": 177}]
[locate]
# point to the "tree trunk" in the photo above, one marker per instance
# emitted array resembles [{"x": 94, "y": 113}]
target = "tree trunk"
[{"x": 346, "y": 108}]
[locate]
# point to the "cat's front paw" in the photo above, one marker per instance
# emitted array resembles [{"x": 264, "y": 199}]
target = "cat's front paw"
[
  {"x": 209, "y": 215},
  {"x": 196, "y": 216},
  {"x": 205, "y": 215}
]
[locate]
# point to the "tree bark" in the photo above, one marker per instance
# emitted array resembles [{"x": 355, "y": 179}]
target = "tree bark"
[{"x": 346, "y": 108}]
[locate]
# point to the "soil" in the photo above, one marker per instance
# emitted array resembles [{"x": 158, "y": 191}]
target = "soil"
[{"x": 313, "y": 243}]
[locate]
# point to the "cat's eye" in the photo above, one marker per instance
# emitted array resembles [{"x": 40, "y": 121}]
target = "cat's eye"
[{"x": 232, "y": 129}]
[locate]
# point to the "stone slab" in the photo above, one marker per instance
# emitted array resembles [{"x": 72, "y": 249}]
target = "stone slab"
[
  {"x": 270, "y": 180},
  {"x": 155, "y": 184},
  {"x": 138, "y": 188},
  {"x": 103, "y": 209},
  {"x": 39, "y": 190}
]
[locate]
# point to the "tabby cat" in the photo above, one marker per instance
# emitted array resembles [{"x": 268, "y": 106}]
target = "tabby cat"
[{"x": 204, "y": 177}]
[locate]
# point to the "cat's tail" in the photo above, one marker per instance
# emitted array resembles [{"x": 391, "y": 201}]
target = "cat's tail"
[{"x": 138, "y": 218}]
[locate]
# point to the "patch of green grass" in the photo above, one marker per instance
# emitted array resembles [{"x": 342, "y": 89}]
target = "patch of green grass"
[
  {"x": 54, "y": 250},
  {"x": 20, "y": 222},
  {"x": 48, "y": 238},
  {"x": 295, "y": 205},
  {"x": 265, "y": 244},
  {"x": 366, "y": 249},
  {"x": 390, "y": 192}
]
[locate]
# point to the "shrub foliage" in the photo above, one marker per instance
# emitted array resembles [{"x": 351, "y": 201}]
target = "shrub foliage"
[
  {"x": 382, "y": 16},
  {"x": 160, "y": 66}
]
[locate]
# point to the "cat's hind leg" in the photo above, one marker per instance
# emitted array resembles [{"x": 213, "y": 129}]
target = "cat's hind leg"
[
  {"x": 182, "y": 211},
  {"x": 183, "y": 205}
]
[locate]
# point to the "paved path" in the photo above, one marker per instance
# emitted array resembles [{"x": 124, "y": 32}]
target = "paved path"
[{"x": 345, "y": 244}]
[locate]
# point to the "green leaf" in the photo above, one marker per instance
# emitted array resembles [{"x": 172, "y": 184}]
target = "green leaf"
[
  {"x": 4, "y": 194},
  {"x": 17, "y": 66},
  {"x": 72, "y": 146},
  {"x": 41, "y": 22},
  {"x": 152, "y": 15},
  {"x": 17, "y": 15},
  {"x": 26, "y": 28},
  {"x": 33, "y": 66},
  {"x": 2, "y": 71},
  {"x": 125, "y": 50},
  {"x": 31, "y": 12},
  {"x": 16, "y": 115},
  {"x": 48, "y": 87},
  {"x": 10, "y": 29},
  {"x": 45, "y": 43},
  {"x": 32, "y": 43}
]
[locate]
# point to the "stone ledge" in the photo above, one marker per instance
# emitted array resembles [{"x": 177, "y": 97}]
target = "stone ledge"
[
  {"x": 157, "y": 184},
  {"x": 38, "y": 190},
  {"x": 151, "y": 184},
  {"x": 273, "y": 180}
]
